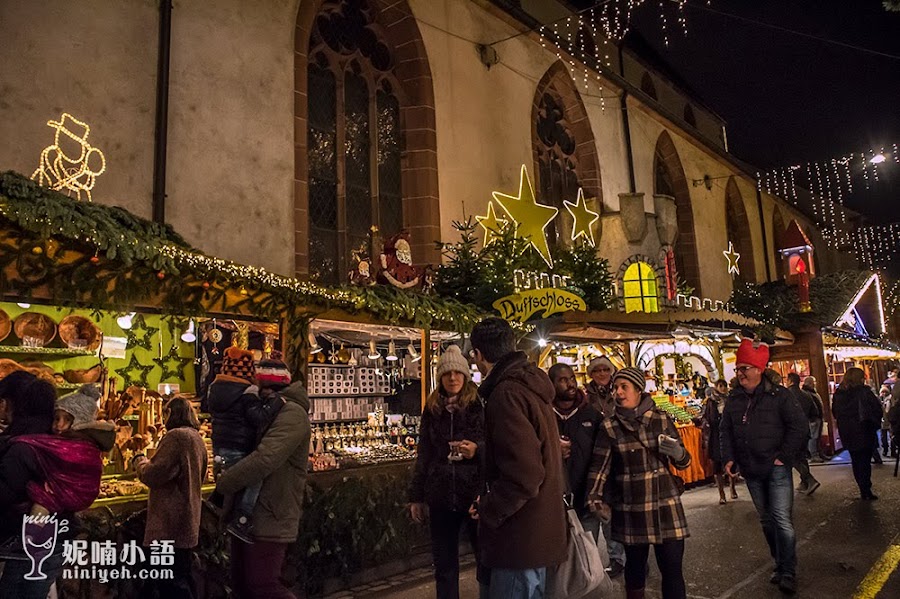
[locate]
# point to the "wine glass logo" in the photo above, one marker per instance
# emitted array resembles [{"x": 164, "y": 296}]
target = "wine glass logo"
[{"x": 39, "y": 541}]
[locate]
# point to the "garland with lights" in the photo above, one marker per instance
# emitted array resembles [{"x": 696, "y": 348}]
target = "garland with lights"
[
  {"x": 78, "y": 253},
  {"x": 776, "y": 304},
  {"x": 482, "y": 276}
]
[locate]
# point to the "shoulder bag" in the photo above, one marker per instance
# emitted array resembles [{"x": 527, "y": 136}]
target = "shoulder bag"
[{"x": 583, "y": 570}]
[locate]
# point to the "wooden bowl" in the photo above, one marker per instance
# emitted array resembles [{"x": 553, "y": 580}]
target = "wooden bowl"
[
  {"x": 73, "y": 328},
  {"x": 5, "y": 325},
  {"x": 39, "y": 326}
]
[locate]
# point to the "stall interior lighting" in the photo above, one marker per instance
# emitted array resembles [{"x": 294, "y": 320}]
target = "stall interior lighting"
[
  {"x": 373, "y": 351},
  {"x": 411, "y": 349},
  {"x": 124, "y": 322},
  {"x": 314, "y": 346},
  {"x": 392, "y": 352},
  {"x": 24, "y": 305},
  {"x": 188, "y": 336}
]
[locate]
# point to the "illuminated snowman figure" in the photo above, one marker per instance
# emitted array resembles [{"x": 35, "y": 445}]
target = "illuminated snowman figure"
[{"x": 71, "y": 163}]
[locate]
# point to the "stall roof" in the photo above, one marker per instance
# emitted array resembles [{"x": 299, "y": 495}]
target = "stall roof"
[{"x": 612, "y": 325}]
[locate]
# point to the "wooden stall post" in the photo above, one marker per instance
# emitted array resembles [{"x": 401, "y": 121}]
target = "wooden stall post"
[
  {"x": 819, "y": 369},
  {"x": 425, "y": 369}
]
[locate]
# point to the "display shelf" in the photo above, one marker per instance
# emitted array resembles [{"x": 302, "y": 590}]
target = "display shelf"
[
  {"x": 46, "y": 352},
  {"x": 69, "y": 386},
  {"x": 349, "y": 395}
]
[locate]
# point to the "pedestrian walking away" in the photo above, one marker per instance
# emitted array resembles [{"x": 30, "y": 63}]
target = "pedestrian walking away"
[
  {"x": 858, "y": 413},
  {"x": 808, "y": 482}
]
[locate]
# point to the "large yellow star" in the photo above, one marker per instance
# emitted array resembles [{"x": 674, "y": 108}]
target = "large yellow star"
[
  {"x": 530, "y": 217},
  {"x": 583, "y": 219},
  {"x": 491, "y": 225}
]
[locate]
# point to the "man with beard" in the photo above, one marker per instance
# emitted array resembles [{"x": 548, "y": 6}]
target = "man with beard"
[{"x": 578, "y": 423}]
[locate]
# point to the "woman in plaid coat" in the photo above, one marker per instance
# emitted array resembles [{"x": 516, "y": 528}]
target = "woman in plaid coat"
[{"x": 633, "y": 451}]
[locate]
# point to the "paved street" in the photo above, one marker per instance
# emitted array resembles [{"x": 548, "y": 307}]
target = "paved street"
[{"x": 840, "y": 540}]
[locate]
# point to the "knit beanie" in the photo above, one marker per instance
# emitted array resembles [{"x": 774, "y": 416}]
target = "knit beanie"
[
  {"x": 272, "y": 373},
  {"x": 598, "y": 362},
  {"x": 747, "y": 354},
  {"x": 81, "y": 405},
  {"x": 635, "y": 376},
  {"x": 238, "y": 363},
  {"x": 452, "y": 360}
]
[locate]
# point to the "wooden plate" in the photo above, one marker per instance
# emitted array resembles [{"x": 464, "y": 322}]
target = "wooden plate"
[
  {"x": 74, "y": 327},
  {"x": 5, "y": 325},
  {"x": 32, "y": 324}
]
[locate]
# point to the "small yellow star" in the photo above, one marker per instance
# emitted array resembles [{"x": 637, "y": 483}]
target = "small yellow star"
[
  {"x": 491, "y": 225},
  {"x": 583, "y": 218},
  {"x": 733, "y": 258},
  {"x": 530, "y": 217}
]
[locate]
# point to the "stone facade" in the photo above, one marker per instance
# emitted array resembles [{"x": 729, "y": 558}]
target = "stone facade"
[{"x": 238, "y": 182}]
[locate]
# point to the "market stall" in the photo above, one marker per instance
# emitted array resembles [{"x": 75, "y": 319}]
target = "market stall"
[{"x": 155, "y": 314}]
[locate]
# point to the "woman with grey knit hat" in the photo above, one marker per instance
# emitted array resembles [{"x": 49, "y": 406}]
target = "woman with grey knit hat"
[
  {"x": 632, "y": 455},
  {"x": 447, "y": 477}
]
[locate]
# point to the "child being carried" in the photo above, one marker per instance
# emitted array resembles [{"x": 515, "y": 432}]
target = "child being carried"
[{"x": 239, "y": 419}]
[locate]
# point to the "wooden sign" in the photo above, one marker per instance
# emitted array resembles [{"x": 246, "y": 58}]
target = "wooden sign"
[{"x": 523, "y": 305}]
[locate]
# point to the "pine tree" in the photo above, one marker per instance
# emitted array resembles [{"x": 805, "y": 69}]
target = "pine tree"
[{"x": 460, "y": 277}]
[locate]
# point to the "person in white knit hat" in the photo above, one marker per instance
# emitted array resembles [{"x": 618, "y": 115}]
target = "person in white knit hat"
[
  {"x": 447, "y": 477},
  {"x": 600, "y": 389}
]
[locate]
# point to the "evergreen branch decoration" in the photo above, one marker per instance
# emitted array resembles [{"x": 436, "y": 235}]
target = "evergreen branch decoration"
[
  {"x": 83, "y": 253},
  {"x": 134, "y": 373},
  {"x": 777, "y": 304},
  {"x": 173, "y": 365},
  {"x": 482, "y": 276}
]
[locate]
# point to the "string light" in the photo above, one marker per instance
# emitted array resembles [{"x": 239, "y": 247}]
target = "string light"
[{"x": 58, "y": 170}]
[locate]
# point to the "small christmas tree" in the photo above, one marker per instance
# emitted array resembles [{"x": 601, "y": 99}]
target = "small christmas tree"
[{"x": 460, "y": 276}]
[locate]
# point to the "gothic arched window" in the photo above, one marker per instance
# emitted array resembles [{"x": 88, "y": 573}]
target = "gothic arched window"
[{"x": 353, "y": 135}]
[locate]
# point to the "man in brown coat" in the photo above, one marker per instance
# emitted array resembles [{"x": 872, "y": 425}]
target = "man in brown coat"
[
  {"x": 522, "y": 528},
  {"x": 279, "y": 462}
]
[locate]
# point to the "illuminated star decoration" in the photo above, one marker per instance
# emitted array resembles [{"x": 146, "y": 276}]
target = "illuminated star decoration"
[
  {"x": 491, "y": 225},
  {"x": 733, "y": 258},
  {"x": 530, "y": 217},
  {"x": 178, "y": 364},
  {"x": 583, "y": 218},
  {"x": 135, "y": 373},
  {"x": 146, "y": 340}
]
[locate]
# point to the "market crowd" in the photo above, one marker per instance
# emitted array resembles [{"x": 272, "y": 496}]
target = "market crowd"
[{"x": 557, "y": 486}]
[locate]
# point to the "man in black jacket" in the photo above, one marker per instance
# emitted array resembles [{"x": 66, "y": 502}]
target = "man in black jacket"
[
  {"x": 578, "y": 423},
  {"x": 808, "y": 482},
  {"x": 762, "y": 429}
]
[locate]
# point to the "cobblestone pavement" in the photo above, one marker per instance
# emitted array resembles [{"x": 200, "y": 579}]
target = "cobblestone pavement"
[{"x": 844, "y": 546}]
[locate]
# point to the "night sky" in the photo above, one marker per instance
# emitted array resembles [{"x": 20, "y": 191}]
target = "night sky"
[{"x": 789, "y": 99}]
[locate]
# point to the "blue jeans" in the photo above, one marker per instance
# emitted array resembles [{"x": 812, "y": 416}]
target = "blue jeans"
[
  {"x": 773, "y": 497},
  {"x": 616, "y": 549},
  {"x": 14, "y": 586},
  {"x": 517, "y": 584},
  {"x": 225, "y": 458}
]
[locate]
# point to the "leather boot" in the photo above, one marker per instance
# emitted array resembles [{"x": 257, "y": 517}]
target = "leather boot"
[{"x": 634, "y": 593}]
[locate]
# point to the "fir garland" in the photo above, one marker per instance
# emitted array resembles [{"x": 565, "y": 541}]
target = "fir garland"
[
  {"x": 104, "y": 257},
  {"x": 777, "y": 304}
]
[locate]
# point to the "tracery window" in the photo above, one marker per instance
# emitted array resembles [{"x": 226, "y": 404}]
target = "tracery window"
[{"x": 354, "y": 136}]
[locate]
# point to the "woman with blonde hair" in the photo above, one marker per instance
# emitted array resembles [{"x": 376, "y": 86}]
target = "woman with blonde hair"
[
  {"x": 447, "y": 476},
  {"x": 858, "y": 414}
]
